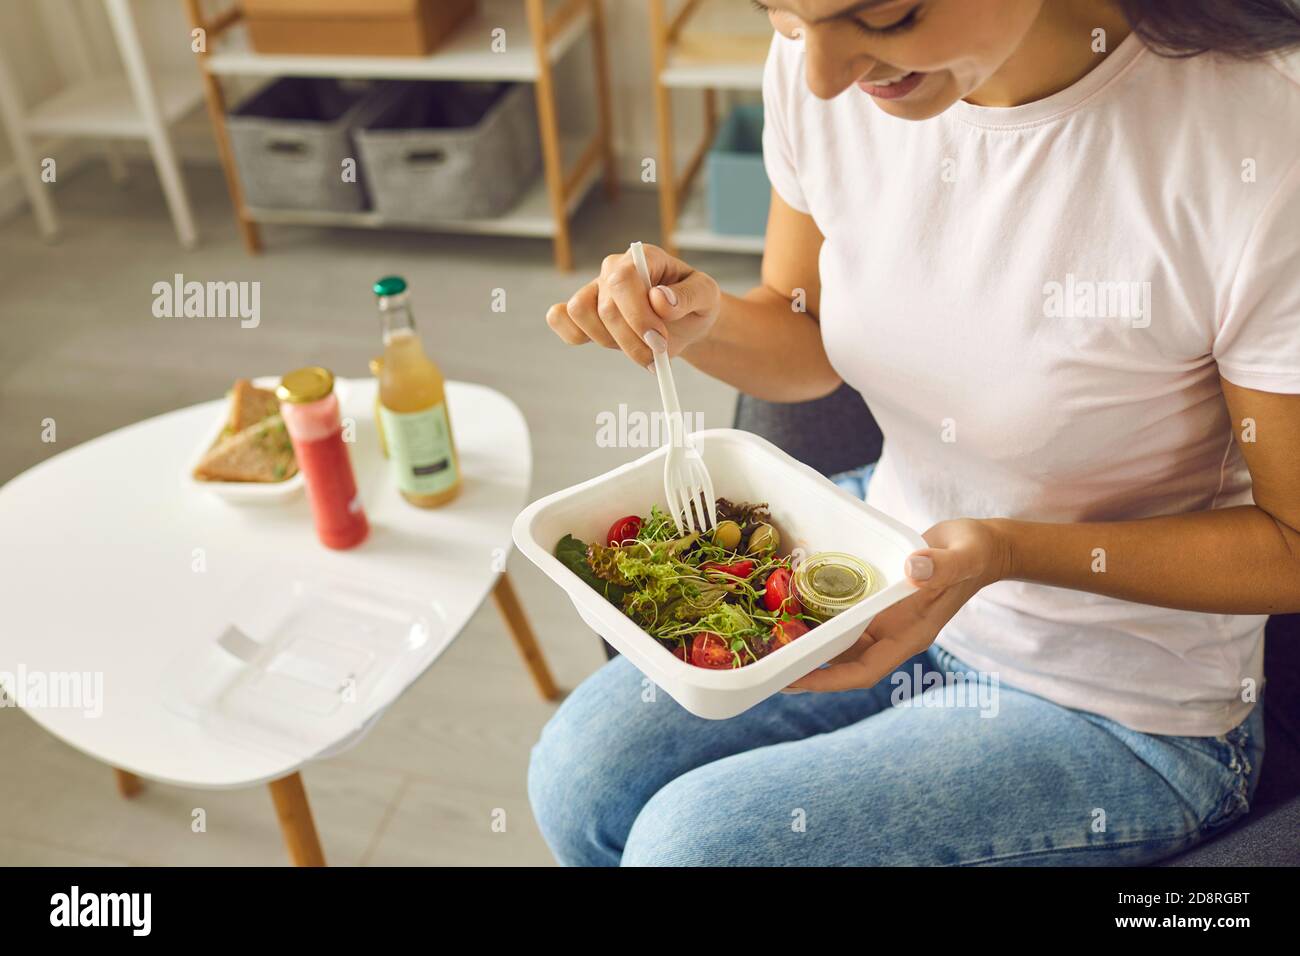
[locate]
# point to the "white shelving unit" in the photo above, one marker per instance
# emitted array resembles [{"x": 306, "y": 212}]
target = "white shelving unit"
[
  {"x": 538, "y": 34},
  {"x": 706, "y": 45},
  {"x": 107, "y": 107},
  {"x": 140, "y": 104}
]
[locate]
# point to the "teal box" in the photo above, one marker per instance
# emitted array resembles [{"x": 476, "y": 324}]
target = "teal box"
[{"x": 739, "y": 191}]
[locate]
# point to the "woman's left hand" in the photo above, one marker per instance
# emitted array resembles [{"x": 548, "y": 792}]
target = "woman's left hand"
[{"x": 963, "y": 556}]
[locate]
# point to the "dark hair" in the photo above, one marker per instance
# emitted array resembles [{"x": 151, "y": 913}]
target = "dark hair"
[{"x": 1247, "y": 29}]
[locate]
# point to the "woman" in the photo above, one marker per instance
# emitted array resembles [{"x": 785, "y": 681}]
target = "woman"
[{"x": 1062, "y": 265}]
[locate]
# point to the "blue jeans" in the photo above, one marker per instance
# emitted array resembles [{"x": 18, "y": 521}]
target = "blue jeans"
[
  {"x": 855, "y": 482},
  {"x": 623, "y": 775}
]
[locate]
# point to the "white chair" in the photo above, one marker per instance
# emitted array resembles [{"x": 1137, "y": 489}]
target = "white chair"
[{"x": 103, "y": 106}]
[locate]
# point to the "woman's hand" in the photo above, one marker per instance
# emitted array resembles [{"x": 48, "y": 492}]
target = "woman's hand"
[
  {"x": 964, "y": 556},
  {"x": 616, "y": 312}
]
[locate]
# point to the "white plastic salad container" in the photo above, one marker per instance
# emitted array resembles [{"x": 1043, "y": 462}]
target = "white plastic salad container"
[{"x": 810, "y": 512}]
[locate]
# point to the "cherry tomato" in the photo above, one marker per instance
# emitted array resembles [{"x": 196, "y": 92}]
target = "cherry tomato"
[
  {"x": 779, "y": 593},
  {"x": 624, "y": 529},
  {"x": 783, "y": 632},
  {"x": 740, "y": 569},
  {"x": 709, "y": 650},
  {"x": 679, "y": 652}
]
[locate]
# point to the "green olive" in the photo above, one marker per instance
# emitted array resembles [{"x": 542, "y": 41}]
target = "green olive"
[
  {"x": 679, "y": 546},
  {"x": 763, "y": 540},
  {"x": 727, "y": 535}
]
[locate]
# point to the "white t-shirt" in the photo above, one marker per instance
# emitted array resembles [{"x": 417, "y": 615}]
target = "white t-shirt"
[{"x": 1037, "y": 303}]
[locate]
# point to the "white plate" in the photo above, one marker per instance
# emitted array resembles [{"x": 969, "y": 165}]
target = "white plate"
[
  {"x": 248, "y": 492},
  {"x": 811, "y": 513}
]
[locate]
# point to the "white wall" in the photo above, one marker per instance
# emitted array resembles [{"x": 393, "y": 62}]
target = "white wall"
[{"x": 28, "y": 55}]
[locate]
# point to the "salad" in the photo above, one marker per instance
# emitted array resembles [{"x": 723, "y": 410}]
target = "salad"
[{"x": 720, "y": 600}]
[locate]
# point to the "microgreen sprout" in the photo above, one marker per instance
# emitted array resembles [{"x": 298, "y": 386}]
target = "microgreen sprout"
[{"x": 682, "y": 587}]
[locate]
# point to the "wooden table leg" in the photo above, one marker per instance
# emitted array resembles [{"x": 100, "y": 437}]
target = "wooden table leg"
[
  {"x": 290, "y": 798},
  {"x": 128, "y": 784},
  {"x": 519, "y": 628}
]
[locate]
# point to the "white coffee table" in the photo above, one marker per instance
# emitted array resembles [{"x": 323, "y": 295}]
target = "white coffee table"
[{"x": 99, "y": 573}]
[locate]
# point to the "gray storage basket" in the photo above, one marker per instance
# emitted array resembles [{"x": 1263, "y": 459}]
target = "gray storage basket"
[
  {"x": 446, "y": 151},
  {"x": 290, "y": 141}
]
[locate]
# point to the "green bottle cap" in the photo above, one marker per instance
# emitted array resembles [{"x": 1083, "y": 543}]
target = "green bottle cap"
[{"x": 390, "y": 285}]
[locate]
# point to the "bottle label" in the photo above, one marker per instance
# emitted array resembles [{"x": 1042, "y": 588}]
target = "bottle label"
[{"x": 419, "y": 446}]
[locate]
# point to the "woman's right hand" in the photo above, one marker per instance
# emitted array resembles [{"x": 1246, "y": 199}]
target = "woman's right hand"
[{"x": 615, "y": 310}]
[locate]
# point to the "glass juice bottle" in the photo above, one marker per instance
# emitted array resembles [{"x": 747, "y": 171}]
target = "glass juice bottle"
[
  {"x": 311, "y": 414},
  {"x": 413, "y": 406}
]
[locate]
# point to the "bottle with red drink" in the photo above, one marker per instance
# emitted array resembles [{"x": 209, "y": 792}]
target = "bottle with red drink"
[{"x": 311, "y": 413}]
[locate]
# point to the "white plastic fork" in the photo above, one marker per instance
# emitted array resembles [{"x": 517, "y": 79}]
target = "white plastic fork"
[{"x": 687, "y": 485}]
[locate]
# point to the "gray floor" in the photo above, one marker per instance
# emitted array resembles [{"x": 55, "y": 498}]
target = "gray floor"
[{"x": 81, "y": 346}]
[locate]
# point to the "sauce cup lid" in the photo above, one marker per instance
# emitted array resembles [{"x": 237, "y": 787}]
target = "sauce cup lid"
[{"x": 830, "y": 581}]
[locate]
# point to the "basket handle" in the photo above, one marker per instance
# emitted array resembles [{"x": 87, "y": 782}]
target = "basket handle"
[
  {"x": 426, "y": 157},
  {"x": 286, "y": 147}
]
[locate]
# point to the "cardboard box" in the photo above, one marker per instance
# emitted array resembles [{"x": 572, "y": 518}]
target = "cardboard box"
[
  {"x": 724, "y": 31},
  {"x": 353, "y": 27}
]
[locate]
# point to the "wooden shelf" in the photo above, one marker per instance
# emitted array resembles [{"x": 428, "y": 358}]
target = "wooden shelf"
[
  {"x": 530, "y": 217},
  {"x": 721, "y": 45},
  {"x": 537, "y": 34},
  {"x": 689, "y": 73},
  {"x": 706, "y": 45},
  {"x": 694, "y": 232},
  {"x": 467, "y": 55}
]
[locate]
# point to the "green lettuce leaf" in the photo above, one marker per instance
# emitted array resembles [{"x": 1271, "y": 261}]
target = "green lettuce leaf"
[{"x": 572, "y": 553}]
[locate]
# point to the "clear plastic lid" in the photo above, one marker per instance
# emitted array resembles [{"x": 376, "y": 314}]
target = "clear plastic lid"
[
  {"x": 830, "y": 581},
  {"x": 303, "y": 664}
]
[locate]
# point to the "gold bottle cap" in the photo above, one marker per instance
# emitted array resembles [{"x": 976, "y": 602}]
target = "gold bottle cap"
[{"x": 304, "y": 385}]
